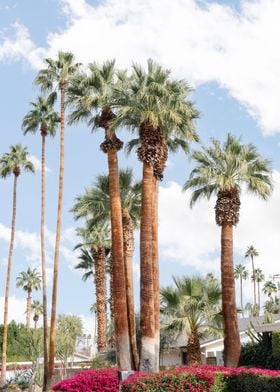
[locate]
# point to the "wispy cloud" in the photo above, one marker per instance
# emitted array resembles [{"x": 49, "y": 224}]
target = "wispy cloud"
[{"x": 37, "y": 163}]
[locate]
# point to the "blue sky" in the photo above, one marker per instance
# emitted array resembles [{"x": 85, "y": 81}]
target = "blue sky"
[{"x": 225, "y": 49}]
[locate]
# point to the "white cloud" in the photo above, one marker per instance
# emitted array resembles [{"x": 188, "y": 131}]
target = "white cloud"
[
  {"x": 17, "y": 307},
  {"x": 37, "y": 163}
]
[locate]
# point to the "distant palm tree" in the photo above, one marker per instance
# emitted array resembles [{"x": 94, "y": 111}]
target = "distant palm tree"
[
  {"x": 221, "y": 170},
  {"x": 241, "y": 273},
  {"x": 252, "y": 252},
  {"x": 269, "y": 288},
  {"x": 44, "y": 119},
  {"x": 11, "y": 163},
  {"x": 253, "y": 310},
  {"x": 192, "y": 308},
  {"x": 56, "y": 76},
  {"x": 259, "y": 277},
  {"x": 37, "y": 310},
  {"x": 29, "y": 281}
]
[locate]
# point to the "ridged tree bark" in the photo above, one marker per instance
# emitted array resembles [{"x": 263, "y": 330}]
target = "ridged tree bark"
[
  {"x": 8, "y": 279},
  {"x": 156, "y": 272},
  {"x": 43, "y": 260},
  {"x": 193, "y": 349},
  {"x": 232, "y": 346},
  {"x": 112, "y": 308},
  {"x": 128, "y": 246},
  {"x": 254, "y": 280},
  {"x": 28, "y": 310},
  {"x": 57, "y": 239},
  {"x": 98, "y": 256},
  {"x": 147, "y": 314}
]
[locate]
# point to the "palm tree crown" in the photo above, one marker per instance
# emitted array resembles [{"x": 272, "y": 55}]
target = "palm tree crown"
[
  {"x": 251, "y": 252},
  {"x": 29, "y": 280},
  {"x": 240, "y": 272},
  {"x": 269, "y": 288},
  {"x": 14, "y": 161}
]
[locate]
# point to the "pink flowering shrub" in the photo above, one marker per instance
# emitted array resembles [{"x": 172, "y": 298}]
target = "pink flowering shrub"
[{"x": 181, "y": 379}]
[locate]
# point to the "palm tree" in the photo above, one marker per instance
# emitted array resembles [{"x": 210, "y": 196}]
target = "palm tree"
[
  {"x": 29, "y": 281},
  {"x": 57, "y": 75},
  {"x": 253, "y": 310},
  {"x": 259, "y": 277},
  {"x": 96, "y": 238},
  {"x": 90, "y": 96},
  {"x": 252, "y": 252},
  {"x": 11, "y": 163},
  {"x": 269, "y": 288},
  {"x": 222, "y": 170},
  {"x": 43, "y": 118},
  {"x": 241, "y": 273},
  {"x": 37, "y": 310},
  {"x": 192, "y": 308},
  {"x": 95, "y": 202},
  {"x": 157, "y": 108}
]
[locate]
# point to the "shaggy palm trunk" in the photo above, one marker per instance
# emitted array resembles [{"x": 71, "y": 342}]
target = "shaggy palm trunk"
[
  {"x": 111, "y": 145},
  {"x": 28, "y": 310},
  {"x": 35, "y": 319},
  {"x": 57, "y": 241},
  {"x": 128, "y": 246},
  {"x": 8, "y": 279},
  {"x": 100, "y": 286},
  {"x": 147, "y": 313},
  {"x": 112, "y": 309},
  {"x": 231, "y": 332},
  {"x": 193, "y": 349},
  {"x": 254, "y": 280},
  {"x": 156, "y": 273},
  {"x": 43, "y": 259}
]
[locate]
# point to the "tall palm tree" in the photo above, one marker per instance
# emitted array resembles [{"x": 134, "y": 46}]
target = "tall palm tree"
[
  {"x": 95, "y": 202},
  {"x": 269, "y": 288},
  {"x": 29, "y": 281},
  {"x": 252, "y": 252},
  {"x": 90, "y": 97},
  {"x": 11, "y": 163},
  {"x": 56, "y": 76},
  {"x": 192, "y": 308},
  {"x": 259, "y": 278},
  {"x": 96, "y": 238},
  {"x": 241, "y": 273},
  {"x": 43, "y": 118},
  {"x": 221, "y": 170},
  {"x": 37, "y": 310},
  {"x": 156, "y": 107}
]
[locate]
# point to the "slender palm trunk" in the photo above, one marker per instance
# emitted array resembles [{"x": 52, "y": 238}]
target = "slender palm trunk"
[
  {"x": 147, "y": 314},
  {"x": 28, "y": 310},
  {"x": 128, "y": 246},
  {"x": 241, "y": 293},
  {"x": 231, "y": 332},
  {"x": 112, "y": 308},
  {"x": 120, "y": 304},
  {"x": 100, "y": 286},
  {"x": 254, "y": 280},
  {"x": 193, "y": 349},
  {"x": 57, "y": 242},
  {"x": 43, "y": 259},
  {"x": 8, "y": 279},
  {"x": 259, "y": 295},
  {"x": 156, "y": 272}
]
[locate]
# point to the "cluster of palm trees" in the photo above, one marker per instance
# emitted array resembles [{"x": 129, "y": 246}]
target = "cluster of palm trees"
[{"x": 157, "y": 109}]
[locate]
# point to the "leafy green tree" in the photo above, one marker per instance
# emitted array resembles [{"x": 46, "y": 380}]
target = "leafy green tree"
[
  {"x": 158, "y": 108},
  {"x": 56, "y": 76},
  {"x": 37, "y": 310},
  {"x": 42, "y": 118},
  {"x": 12, "y": 163},
  {"x": 29, "y": 281},
  {"x": 192, "y": 308},
  {"x": 252, "y": 252},
  {"x": 241, "y": 273},
  {"x": 259, "y": 278},
  {"x": 222, "y": 170}
]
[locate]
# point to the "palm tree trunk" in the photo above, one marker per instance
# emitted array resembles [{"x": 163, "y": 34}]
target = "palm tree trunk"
[
  {"x": 128, "y": 247},
  {"x": 112, "y": 309},
  {"x": 123, "y": 352},
  {"x": 57, "y": 242},
  {"x": 156, "y": 272},
  {"x": 28, "y": 310},
  {"x": 43, "y": 258},
  {"x": 193, "y": 349},
  {"x": 254, "y": 280},
  {"x": 241, "y": 293},
  {"x": 259, "y": 295},
  {"x": 8, "y": 279},
  {"x": 231, "y": 332},
  {"x": 147, "y": 317},
  {"x": 100, "y": 286}
]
